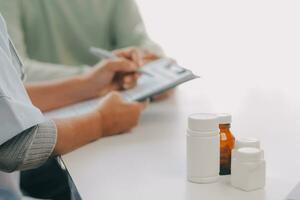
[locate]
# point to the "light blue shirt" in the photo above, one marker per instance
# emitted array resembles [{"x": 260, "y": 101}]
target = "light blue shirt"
[{"x": 16, "y": 110}]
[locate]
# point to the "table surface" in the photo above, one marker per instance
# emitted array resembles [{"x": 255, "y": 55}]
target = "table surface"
[{"x": 150, "y": 162}]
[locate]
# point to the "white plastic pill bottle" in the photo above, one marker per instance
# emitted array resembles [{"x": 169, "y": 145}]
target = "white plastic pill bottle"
[
  {"x": 244, "y": 142},
  {"x": 248, "y": 169},
  {"x": 203, "y": 148}
]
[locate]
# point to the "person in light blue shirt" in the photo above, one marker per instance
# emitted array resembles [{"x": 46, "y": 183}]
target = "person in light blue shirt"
[{"x": 28, "y": 139}]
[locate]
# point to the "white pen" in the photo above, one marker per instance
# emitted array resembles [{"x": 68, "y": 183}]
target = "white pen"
[{"x": 102, "y": 53}]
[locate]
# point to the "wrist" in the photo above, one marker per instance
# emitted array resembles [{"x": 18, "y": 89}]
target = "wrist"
[
  {"x": 86, "y": 87},
  {"x": 75, "y": 132},
  {"x": 96, "y": 124}
]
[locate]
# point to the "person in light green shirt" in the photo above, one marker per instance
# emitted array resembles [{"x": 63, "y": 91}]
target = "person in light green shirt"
[{"x": 53, "y": 37}]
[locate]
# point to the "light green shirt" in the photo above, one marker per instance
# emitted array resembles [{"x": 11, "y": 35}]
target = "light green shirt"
[{"x": 54, "y": 36}]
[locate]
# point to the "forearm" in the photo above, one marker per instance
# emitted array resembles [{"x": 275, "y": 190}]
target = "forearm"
[
  {"x": 54, "y": 94},
  {"x": 34, "y": 146},
  {"x": 75, "y": 132}
]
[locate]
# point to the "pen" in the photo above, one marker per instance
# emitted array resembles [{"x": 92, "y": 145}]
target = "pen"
[{"x": 102, "y": 53}]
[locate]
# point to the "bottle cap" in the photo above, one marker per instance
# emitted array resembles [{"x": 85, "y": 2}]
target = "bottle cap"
[
  {"x": 248, "y": 154},
  {"x": 246, "y": 142},
  {"x": 224, "y": 118},
  {"x": 203, "y": 122}
]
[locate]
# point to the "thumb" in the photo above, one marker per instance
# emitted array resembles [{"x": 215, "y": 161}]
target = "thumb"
[{"x": 142, "y": 105}]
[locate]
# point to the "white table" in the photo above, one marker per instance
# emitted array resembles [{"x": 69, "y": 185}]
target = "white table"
[{"x": 150, "y": 162}]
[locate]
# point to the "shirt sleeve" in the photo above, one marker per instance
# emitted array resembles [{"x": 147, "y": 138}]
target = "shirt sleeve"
[
  {"x": 29, "y": 149},
  {"x": 35, "y": 70},
  {"x": 128, "y": 28}
]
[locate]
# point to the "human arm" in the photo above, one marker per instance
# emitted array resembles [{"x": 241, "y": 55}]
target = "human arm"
[
  {"x": 34, "y": 146},
  {"x": 113, "y": 116},
  {"x": 103, "y": 78}
]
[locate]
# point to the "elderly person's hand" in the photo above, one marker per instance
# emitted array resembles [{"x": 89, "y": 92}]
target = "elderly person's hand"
[
  {"x": 117, "y": 115},
  {"x": 113, "y": 116}
]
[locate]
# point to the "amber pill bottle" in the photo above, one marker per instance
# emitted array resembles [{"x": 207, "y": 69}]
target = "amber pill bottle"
[{"x": 227, "y": 141}]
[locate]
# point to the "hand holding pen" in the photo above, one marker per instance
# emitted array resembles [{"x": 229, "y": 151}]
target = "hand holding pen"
[
  {"x": 136, "y": 55},
  {"x": 139, "y": 57}
]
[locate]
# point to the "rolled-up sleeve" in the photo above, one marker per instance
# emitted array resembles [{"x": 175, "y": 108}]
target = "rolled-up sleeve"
[{"x": 29, "y": 149}]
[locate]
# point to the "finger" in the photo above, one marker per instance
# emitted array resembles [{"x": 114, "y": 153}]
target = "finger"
[
  {"x": 130, "y": 85},
  {"x": 122, "y": 65},
  {"x": 132, "y": 53},
  {"x": 132, "y": 77},
  {"x": 160, "y": 97},
  {"x": 125, "y": 52},
  {"x": 150, "y": 56},
  {"x": 129, "y": 79},
  {"x": 138, "y": 57},
  {"x": 137, "y": 76},
  {"x": 146, "y": 61},
  {"x": 142, "y": 105},
  {"x": 128, "y": 53},
  {"x": 164, "y": 95}
]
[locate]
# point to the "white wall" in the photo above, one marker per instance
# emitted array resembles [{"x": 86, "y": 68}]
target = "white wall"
[{"x": 253, "y": 40}]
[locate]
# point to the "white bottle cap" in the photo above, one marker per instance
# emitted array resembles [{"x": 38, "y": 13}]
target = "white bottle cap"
[
  {"x": 203, "y": 122},
  {"x": 246, "y": 142},
  {"x": 224, "y": 118},
  {"x": 249, "y": 154}
]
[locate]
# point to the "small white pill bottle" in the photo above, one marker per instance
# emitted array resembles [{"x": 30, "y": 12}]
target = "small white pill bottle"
[
  {"x": 203, "y": 148},
  {"x": 248, "y": 169},
  {"x": 244, "y": 142}
]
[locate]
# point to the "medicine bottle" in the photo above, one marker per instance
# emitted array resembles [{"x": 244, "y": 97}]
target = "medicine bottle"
[
  {"x": 248, "y": 169},
  {"x": 244, "y": 142},
  {"x": 227, "y": 141},
  {"x": 203, "y": 148}
]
